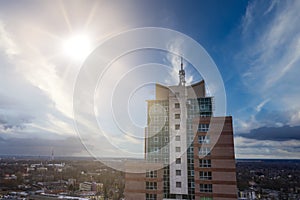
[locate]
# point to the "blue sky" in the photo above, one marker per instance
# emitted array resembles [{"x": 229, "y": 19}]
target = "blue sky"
[{"x": 255, "y": 45}]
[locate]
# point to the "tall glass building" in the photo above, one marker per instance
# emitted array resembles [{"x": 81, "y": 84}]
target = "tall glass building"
[{"x": 190, "y": 151}]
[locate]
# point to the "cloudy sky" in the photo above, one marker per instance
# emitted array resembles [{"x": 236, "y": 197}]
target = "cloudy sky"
[{"x": 255, "y": 45}]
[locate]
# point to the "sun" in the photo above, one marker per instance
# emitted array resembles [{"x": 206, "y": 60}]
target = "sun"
[{"x": 77, "y": 47}]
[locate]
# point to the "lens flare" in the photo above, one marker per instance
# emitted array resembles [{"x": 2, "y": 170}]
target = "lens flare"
[{"x": 77, "y": 47}]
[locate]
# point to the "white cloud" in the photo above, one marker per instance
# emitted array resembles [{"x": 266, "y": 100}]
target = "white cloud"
[
  {"x": 251, "y": 148},
  {"x": 248, "y": 17},
  {"x": 174, "y": 48},
  {"x": 270, "y": 54},
  {"x": 6, "y": 42},
  {"x": 271, "y": 7},
  {"x": 245, "y": 126},
  {"x": 40, "y": 94},
  {"x": 261, "y": 105},
  {"x": 275, "y": 50},
  {"x": 295, "y": 118}
]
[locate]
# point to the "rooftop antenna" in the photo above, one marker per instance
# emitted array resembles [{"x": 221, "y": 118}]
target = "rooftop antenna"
[
  {"x": 181, "y": 63},
  {"x": 52, "y": 155},
  {"x": 181, "y": 74}
]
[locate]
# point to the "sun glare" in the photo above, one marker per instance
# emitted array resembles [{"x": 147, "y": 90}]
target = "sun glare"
[{"x": 77, "y": 47}]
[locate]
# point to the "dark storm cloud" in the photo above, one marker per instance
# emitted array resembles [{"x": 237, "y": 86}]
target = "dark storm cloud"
[
  {"x": 283, "y": 133},
  {"x": 37, "y": 146},
  {"x": 20, "y": 102},
  {"x": 13, "y": 122}
]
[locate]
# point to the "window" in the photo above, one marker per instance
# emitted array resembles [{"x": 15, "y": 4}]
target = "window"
[
  {"x": 177, "y": 137},
  {"x": 206, "y": 198},
  {"x": 203, "y": 127},
  {"x": 166, "y": 118},
  {"x": 166, "y": 128},
  {"x": 205, "y": 187},
  {"x": 155, "y": 139},
  {"x": 154, "y": 107},
  {"x": 177, "y": 116},
  {"x": 166, "y": 160},
  {"x": 204, "y": 163},
  {"x": 178, "y": 184},
  {"x": 151, "y": 174},
  {"x": 190, "y": 149},
  {"x": 178, "y": 172},
  {"x": 203, "y": 139},
  {"x": 202, "y": 107},
  {"x": 191, "y": 160},
  {"x": 192, "y": 107},
  {"x": 177, "y": 105},
  {"x": 204, "y": 151},
  {"x": 205, "y": 175},
  {"x": 177, "y": 126},
  {"x": 178, "y": 160},
  {"x": 166, "y": 139},
  {"x": 156, "y": 149},
  {"x": 190, "y": 127},
  {"x": 192, "y": 184},
  {"x": 151, "y": 196},
  {"x": 151, "y": 185},
  {"x": 177, "y": 149},
  {"x": 205, "y": 115}
]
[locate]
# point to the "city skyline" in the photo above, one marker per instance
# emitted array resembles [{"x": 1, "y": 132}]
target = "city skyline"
[{"x": 255, "y": 45}]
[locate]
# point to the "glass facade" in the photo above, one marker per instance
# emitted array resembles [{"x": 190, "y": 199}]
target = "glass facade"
[
  {"x": 158, "y": 138},
  {"x": 158, "y": 131}
]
